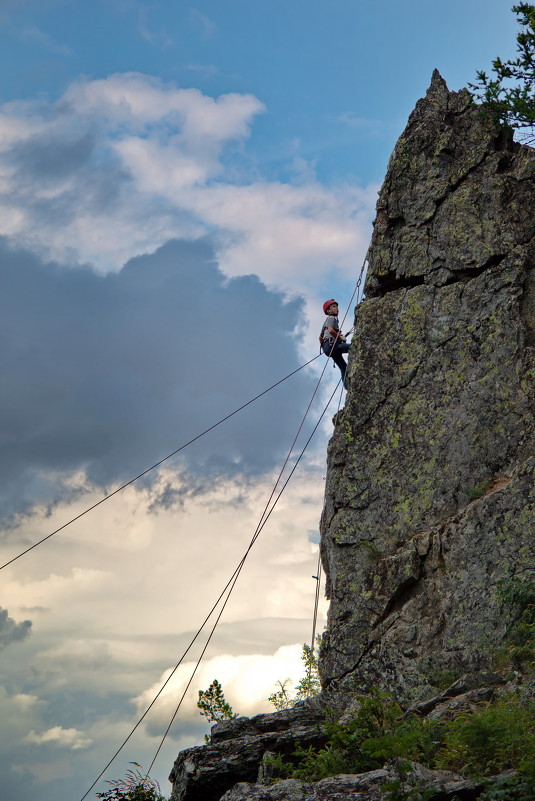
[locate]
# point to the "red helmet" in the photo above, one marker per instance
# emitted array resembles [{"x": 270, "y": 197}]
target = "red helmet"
[{"x": 327, "y": 304}]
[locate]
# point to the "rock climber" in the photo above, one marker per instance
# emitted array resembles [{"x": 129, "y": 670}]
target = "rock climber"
[{"x": 332, "y": 341}]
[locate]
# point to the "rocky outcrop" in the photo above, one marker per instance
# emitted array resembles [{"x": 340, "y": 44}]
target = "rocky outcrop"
[
  {"x": 234, "y": 767},
  {"x": 430, "y": 492},
  {"x": 237, "y": 749},
  {"x": 429, "y": 500}
]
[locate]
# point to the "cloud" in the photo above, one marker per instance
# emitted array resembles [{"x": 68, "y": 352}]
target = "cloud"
[
  {"x": 206, "y": 25},
  {"x": 110, "y": 360},
  {"x": 247, "y": 681},
  {"x": 66, "y": 166},
  {"x": 11, "y": 632},
  {"x": 104, "y": 375},
  {"x": 137, "y": 101},
  {"x": 352, "y": 120},
  {"x": 120, "y": 165},
  {"x": 60, "y": 737},
  {"x": 125, "y": 591},
  {"x": 156, "y": 36}
]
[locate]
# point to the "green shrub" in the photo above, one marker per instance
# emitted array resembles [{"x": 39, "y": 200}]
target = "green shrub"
[
  {"x": 445, "y": 677},
  {"x": 493, "y": 738},
  {"x": 479, "y": 490},
  {"x": 309, "y": 685},
  {"x": 213, "y": 705},
  {"x": 414, "y": 738},
  {"x": 508, "y": 94},
  {"x": 518, "y": 651},
  {"x": 346, "y": 749},
  {"x": 515, "y": 788}
]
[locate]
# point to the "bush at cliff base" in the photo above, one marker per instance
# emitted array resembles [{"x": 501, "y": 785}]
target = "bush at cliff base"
[{"x": 493, "y": 738}]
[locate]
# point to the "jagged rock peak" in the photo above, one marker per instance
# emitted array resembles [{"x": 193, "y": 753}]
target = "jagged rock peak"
[
  {"x": 437, "y": 98},
  {"x": 449, "y": 165}
]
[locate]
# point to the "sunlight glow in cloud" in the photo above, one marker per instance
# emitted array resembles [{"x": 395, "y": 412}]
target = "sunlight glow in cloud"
[{"x": 247, "y": 682}]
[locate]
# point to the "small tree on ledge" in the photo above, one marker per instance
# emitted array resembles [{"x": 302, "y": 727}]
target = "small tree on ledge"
[
  {"x": 308, "y": 686},
  {"x": 212, "y": 704}
]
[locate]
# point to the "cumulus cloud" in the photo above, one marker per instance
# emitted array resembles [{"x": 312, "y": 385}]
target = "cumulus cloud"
[
  {"x": 118, "y": 166},
  {"x": 117, "y": 599},
  {"x": 247, "y": 680},
  {"x": 10, "y": 631},
  {"x": 72, "y": 739}
]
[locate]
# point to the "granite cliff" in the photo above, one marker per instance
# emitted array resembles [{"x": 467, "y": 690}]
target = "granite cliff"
[{"x": 429, "y": 500}]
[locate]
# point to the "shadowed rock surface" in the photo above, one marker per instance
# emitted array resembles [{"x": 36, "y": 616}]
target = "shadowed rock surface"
[{"x": 429, "y": 499}]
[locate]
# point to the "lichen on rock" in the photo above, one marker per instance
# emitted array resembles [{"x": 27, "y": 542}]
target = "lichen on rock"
[{"x": 441, "y": 402}]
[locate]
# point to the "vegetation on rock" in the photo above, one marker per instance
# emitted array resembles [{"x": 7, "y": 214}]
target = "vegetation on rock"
[
  {"x": 512, "y": 788},
  {"x": 136, "y": 786},
  {"x": 493, "y": 738},
  {"x": 512, "y": 103},
  {"x": 518, "y": 651},
  {"x": 309, "y": 684}
]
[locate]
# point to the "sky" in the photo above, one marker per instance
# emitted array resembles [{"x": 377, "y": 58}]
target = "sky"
[{"x": 181, "y": 186}]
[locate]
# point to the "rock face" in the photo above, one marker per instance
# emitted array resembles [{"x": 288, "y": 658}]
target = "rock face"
[
  {"x": 430, "y": 492},
  {"x": 237, "y": 748}
]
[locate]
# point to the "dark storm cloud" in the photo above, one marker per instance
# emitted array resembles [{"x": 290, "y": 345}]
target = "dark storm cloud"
[
  {"x": 110, "y": 373},
  {"x": 10, "y": 631}
]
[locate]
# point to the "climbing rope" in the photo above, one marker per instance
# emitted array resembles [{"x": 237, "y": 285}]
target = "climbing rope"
[
  {"x": 232, "y": 581},
  {"x": 255, "y": 537},
  {"x": 315, "y": 616},
  {"x": 316, "y": 601},
  {"x": 319, "y": 568},
  {"x": 263, "y": 520},
  {"x": 227, "y": 590},
  {"x": 155, "y": 465}
]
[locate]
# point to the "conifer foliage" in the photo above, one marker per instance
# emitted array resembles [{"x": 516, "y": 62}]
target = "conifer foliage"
[
  {"x": 212, "y": 704},
  {"x": 508, "y": 94},
  {"x": 308, "y": 685}
]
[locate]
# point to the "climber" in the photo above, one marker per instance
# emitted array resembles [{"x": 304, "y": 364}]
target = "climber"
[{"x": 332, "y": 341}]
